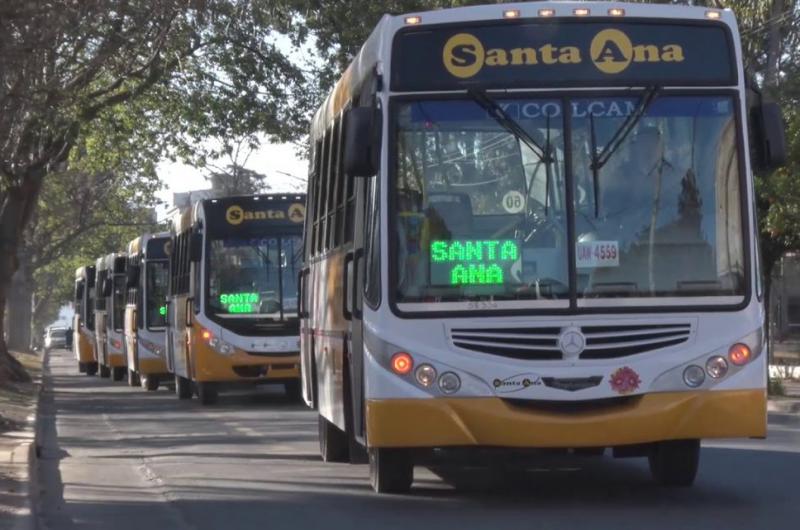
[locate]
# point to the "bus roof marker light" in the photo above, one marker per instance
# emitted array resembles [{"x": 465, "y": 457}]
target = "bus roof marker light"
[
  {"x": 740, "y": 354},
  {"x": 402, "y": 363},
  {"x": 581, "y": 12},
  {"x": 713, "y": 14},
  {"x": 694, "y": 376},
  {"x": 547, "y": 12},
  {"x": 511, "y": 13},
  {"x": 413, "y": 20},
  {"x": 616, "y": 12}
]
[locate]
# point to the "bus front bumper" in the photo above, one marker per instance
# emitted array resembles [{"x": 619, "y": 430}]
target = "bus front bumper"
[
  {"x": 153, "y": 366},
  {"x": 495, "y": 422}
]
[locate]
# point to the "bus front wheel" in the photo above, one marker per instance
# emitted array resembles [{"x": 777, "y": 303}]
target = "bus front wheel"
[
  {"x": 183, "y": 387},
  {"x": 207, "y": 393},
  {"x": 293, "y": 390},
  {"x": 151, "y": 383},
  {"x": 390, "y": 470},
  {"x": 674, "y": 463},
  {"x": 333, "y": 445},
  {"x": 91, "y": 368},
  {"x": 105, "y": 371}
]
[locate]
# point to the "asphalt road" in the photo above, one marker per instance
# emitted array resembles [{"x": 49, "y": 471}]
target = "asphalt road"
[{"x": 116, "y": 458}]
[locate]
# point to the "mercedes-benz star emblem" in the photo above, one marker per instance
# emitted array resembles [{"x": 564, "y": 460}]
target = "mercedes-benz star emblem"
[{"x": 572, "y": 343}]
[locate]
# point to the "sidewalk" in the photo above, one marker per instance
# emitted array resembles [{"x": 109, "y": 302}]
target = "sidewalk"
[{"x": 18, "y": 404}]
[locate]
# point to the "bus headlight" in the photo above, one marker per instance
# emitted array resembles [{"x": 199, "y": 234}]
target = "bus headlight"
[
  {"x": 449, "y": 383},
  {"x": 220, "y": 346},
  {"x": 717, "y": 366},
  {"x": 425, "y": 375},
  {"x": 693, "y": 376}
]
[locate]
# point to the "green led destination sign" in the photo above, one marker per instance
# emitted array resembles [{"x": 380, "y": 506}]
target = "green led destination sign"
[
  {"x": 240, "y": 302},
  {"x": 473, "y": 262},
  {"x": 162, "y": 310}
]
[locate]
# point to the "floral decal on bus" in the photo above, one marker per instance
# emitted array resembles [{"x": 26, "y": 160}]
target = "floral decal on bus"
[{"x": 625, "y": 380}]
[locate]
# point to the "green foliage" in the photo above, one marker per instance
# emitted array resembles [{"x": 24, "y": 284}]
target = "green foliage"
[{"x": 775, "y": 387}]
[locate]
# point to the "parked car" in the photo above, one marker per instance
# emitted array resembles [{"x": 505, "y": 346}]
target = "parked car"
[{"x": 55, "y": 337}]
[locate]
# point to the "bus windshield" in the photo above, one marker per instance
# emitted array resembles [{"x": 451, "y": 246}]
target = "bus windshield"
[
  {"x": 254, "y": 278},
  {"x": 481, "y": 212},
  {"x": 157, "y": 282}
]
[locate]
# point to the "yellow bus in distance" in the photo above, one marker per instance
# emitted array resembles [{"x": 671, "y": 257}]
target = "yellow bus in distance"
[
  {"x": 83, "y": 345},
  {"x": 109, "y": 312},
  {"x": 146, "y": 311},
  {"x": 232, "y": 304}
]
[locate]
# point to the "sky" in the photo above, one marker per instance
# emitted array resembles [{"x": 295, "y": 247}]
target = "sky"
[{"x": 273, "y": 160}]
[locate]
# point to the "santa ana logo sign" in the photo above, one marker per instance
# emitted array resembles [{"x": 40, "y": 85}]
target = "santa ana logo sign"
[{"x": 611, "y": 51}]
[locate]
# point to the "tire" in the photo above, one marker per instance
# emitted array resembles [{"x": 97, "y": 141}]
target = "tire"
[
  {"x": 207, "y": 393},
  {"x": 183, "y": 387},
  {"x": 294, "y": 392},
  {"x": 333, "y": 442},
  {"x": 82, "y": 368},
  {"x": 390, "y": 470},
  {"x": 674, "y": 463},
  {"x": 105, "y": 371},
  {"x": 151, "y": 383},
  {"x": 91, "y": 368},
  {"x": 133, "y": 378},
  {"x": 118, "y": 373}
]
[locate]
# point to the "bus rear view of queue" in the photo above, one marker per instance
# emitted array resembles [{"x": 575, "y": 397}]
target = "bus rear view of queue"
[
  {"x": 532, "y": 226},
  {"x": 232, "y": 310}
]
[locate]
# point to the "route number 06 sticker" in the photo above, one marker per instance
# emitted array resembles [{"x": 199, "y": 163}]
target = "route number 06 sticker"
[
  {"x": 595, "y": 254},
  {"x": 513, "y": 202}
]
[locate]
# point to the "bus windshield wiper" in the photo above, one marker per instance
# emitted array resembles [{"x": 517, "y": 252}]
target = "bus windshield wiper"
[
  {"x": 599, "y": 160},
  {"x": 498, "y": 114},
  {"x": 510, "y": 124}
]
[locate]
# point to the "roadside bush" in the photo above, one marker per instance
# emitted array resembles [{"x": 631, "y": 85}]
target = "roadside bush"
[{"x": 775, "y": 387}]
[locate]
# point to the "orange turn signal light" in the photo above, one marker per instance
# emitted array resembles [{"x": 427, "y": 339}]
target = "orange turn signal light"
[
  {"x": 740, "y": 354},
  {"x": 206, "y": 334},
  {"x": 402, "y": 363}
]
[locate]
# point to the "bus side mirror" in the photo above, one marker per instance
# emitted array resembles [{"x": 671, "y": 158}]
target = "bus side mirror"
[
  {"x": 132, "y": 276},
  {"x": 770, "y": 135},
  {"x": 362, "y": 141},
  {"x": 196, "y": 247}
]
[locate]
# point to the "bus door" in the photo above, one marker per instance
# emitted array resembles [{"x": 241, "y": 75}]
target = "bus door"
[{"x": 353, "y": 299}]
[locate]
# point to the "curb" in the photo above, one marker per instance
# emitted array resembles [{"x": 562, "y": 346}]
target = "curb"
[
  {"x": 783, "y": 406},
  {"x": 27, "y": 452}
]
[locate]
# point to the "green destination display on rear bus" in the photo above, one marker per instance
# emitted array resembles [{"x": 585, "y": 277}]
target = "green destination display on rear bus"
[
  {"x": 473, "y": 262},
  {"x": 240, "y": 302}
]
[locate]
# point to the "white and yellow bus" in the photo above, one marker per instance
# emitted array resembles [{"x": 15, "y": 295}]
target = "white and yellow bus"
[
  {"x": 532, "y": 226},
  {"x": 83, "y": 344},
  {"x": 232, "y": 304},
  {"x": 110, "y": 294},
  {"x": 147, "y": 275}
]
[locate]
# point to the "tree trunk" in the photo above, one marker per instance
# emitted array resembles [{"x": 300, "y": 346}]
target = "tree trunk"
[
  {"x": 774, "y": 51},
  {"x": 18, "y": 306},
  {"x": 15, "y": 211}
]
